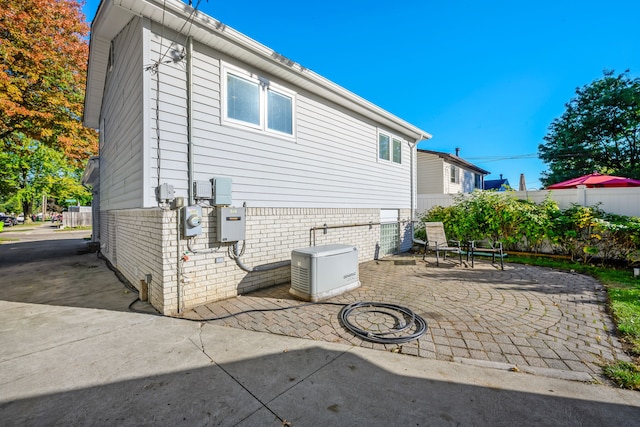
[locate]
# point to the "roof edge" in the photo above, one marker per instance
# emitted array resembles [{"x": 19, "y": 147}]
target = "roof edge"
[{"x": 113, "y": 15}]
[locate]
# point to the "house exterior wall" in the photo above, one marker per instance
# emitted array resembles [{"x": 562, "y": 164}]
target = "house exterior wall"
[
  {"x": 121, "y": 130},
  {"x": 331, "y": 162},
  {"x": 430, "y": 174},
  {"x": 183, "y": 277},
  {"x": 434, "y": 176},
  {"x": 328, "y": 174}
]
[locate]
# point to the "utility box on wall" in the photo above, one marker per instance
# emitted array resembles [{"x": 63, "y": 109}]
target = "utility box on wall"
[
  {"x": 221, "y": 190},
  {"x": 231, "y": 224},
  {"x": 191, "y": 221}
]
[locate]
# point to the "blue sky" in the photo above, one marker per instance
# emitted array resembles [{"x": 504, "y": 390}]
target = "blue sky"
[{"x": 486, "y": 76}]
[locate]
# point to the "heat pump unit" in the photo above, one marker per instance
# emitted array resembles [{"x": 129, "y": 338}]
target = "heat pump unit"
[{"x": 320, "y": 272}]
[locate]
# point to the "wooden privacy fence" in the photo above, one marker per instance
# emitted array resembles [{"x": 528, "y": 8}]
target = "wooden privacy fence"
[
  {"x": 76, "y": 219},
  {"x": 620, "y": 201}
]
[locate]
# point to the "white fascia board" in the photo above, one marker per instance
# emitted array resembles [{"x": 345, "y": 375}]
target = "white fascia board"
[{"x": 175, "y": 14}]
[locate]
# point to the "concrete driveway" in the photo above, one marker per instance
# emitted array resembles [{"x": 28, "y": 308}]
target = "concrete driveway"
[{"x": 73, "y": 354}]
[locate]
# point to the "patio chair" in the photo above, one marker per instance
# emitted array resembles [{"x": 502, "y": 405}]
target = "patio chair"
[
  {"x": 437, "y": 241},
  {"x": 487, "y": 248}
]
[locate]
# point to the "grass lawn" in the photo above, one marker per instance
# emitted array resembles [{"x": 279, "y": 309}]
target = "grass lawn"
[
  {"x": 623, "y": 290},
  {"x": 85, "y": 227}
]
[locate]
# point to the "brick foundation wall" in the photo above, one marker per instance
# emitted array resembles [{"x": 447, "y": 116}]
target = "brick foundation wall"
[{"x": 147, "y": 243}]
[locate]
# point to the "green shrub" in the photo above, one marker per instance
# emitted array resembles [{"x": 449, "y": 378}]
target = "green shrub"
[{"x": 583, "y": 233}]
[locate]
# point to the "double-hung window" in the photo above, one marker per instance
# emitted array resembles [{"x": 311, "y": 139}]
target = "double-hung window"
[
  {"x": 389, "y": 148},
  {"x": 454, "y": 174},
  {"x": 257, "y": 103}
]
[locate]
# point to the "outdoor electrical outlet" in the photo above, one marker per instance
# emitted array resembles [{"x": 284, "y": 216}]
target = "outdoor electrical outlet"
[{"x": 219, "y": 260}]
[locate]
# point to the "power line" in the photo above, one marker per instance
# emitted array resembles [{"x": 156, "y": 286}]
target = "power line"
[{"x": 487, "y": 159}]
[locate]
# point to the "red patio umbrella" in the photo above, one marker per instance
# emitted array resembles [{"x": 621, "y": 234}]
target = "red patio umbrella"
[{"x": 596, "y": 180}]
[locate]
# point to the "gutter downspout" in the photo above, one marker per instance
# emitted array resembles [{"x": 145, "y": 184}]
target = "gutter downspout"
[
  {"x": 413, "y": 145},
  {"x": 190, "y": 119}
]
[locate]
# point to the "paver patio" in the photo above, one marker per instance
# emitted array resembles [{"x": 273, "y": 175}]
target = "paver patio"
[{"x": 525, "y": 318}]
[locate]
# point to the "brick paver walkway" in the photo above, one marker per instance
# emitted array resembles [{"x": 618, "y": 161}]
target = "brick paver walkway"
[{"x": 524, "y": 318}]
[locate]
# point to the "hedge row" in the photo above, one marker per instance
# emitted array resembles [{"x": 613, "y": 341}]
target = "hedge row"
[{"x": 583, "y": 233}]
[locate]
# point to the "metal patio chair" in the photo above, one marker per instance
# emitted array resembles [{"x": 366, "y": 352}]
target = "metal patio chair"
[
  {"x": 487, "y": 248},
  {"x": 437, "y": 241}
]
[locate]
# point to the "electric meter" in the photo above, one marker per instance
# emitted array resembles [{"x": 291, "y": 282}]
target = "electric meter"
[{"x": 191, "y": 220}]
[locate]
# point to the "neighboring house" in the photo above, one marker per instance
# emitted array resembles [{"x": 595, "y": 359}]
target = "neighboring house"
[
  {"x": 501, "y": 184},
  {"x": 265, "y": 155},
  {"x": 443, "y": 173}
]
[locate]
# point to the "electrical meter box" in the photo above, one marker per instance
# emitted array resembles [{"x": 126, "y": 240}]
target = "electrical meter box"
[
  {"x": 191, "y": 221},
  {"x": 231, "y": 224}
]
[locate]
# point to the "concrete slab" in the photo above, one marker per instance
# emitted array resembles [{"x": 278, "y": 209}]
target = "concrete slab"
[
  {"x": 141, "y": 370},
  {"x": 284, "y": 361},
  {"x": 94, "y": 363}
]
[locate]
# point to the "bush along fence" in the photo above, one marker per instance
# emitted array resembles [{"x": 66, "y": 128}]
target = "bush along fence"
[{"x": 584, "y": 233}]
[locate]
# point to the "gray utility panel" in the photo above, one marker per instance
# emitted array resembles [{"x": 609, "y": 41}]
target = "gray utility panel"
[
  {"x": 231, "y": 224},
  {"x": 320, "y": 272}
]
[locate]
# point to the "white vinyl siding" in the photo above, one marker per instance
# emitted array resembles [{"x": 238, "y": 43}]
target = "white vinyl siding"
[
  {"x": 437, "y": 176},
  {"x": 330, "y": 164},
  {"x": 430, "y": 174},
  {"x": 121, "y": 172}
]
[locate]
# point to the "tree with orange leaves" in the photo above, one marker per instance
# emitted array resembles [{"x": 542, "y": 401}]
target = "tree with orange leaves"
[{"x": 43, "y": 63}]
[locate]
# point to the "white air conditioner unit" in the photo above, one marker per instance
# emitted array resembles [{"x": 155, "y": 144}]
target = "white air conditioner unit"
[{"x": 320, "y": 272}]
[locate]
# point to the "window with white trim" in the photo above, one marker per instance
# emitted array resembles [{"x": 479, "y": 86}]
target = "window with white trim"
[
  {"x": 255, "y": 102},
  {"x": 389, "y": 148},
  {"x": 454, "y": 174}
]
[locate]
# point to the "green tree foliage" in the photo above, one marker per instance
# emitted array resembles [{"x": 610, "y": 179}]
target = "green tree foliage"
[
  {"x": 32, "y": 169},
  {"x": 598, "y": 132},
  {"x": 43, "y": 61}
]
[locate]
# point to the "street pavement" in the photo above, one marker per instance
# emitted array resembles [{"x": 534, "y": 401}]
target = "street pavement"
[{"x": 73, "y": 354}]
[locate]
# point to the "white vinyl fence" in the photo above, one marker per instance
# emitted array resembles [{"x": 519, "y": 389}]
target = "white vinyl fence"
[{"x": 621, "y": 201}]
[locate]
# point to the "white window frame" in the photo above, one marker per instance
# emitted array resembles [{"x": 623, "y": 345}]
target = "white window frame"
[
  {"x": 392, "y": 140},
  {"x": 454, "y": 174},
  {"x": 264, "y": 85}
]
